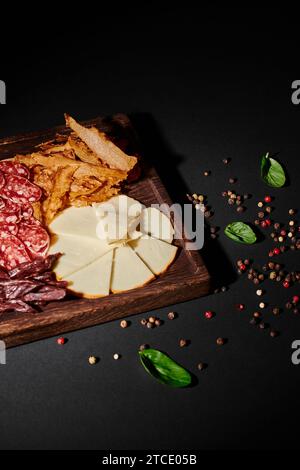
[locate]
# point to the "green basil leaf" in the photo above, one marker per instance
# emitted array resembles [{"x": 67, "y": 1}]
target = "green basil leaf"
[
  {"x": 272, "y": 172},
  {"x": 164, "y": 369},
  {"x": 241, "y": 233}
]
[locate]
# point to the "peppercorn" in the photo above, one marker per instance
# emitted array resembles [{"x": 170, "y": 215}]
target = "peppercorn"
[
  {"x": 152, "y": 319},
  {"x": 226, "y": 161},
  {"x": 250, "y": 277},
  {"x": 208, "y": 214},
  {"x": 232, "y": 180},
  {"x": 262, "y": 305},
  {"x": 254, "y": 321},
  {"x": 276, "y": 251},
  {"x": 144, "y": 322},
  {"x": 273, "y": 276},
  {"x": 143, "y": 347},
  {"x": 292, "y": 223},
  {"x": 296, "y": 311},
  {"x": 261, "y": 277},
  {"x": 292, "y": 212},
  {"x": 116, "y": 356},
  {"x": 224, "y": 289},
  {"x": 274, "y": 334},
  {"x": 150, "y": 325},
  {"x": 240, "y": 307},
  {"x": 157, "y": 322},
  {"x": 263, "y": 224},
  {"x": 286, "y": 285},
  {"x": 256, "y": 281},
  {"x": 257, "y": 222},
  {"x": 276, "y": 311},
  {"x": 124, "y": 324},
  {"x": 261, "y": 215},
  {"x": 257, "y": 315},
  {"x": 259, "y": 293},
  {"x": 183, "y": 343},
  {"x": 277, "y": 226},
  {"x": 209, "y": 315},
  {"x": 296, "y": 299},
  {"x": 283, "y": 249},
  {"x": 61, "y": 341},
  {"x": 221, "y": 341},
  {"x": 241, "y": 209},
  {"x": 268, "y": 210},
  {"x": 224, "y": 194},
  {"x": 231, "y": 202},
  {"x": 268, "y": 199},
  {"x": 260, "y": 205},
  {"x": 93, "y": 360},
  {"x": 201, "y": 198},
  {"x": 263, "y": 326},
  {"x": 207, "y": 173},
  {"x": 171, "y": 315},
  {"x": 201, "y": 366}
]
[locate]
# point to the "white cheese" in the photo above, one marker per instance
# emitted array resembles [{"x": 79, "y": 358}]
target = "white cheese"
[
  {"x": 76, "y": 252},
  {"x": 156, "y": 224},
  {"x": 93, "y": 281},
  {"x": 156, "y": 254},
  {"x": 129, "y": 271},
  {"x": 76, "y": 221}
]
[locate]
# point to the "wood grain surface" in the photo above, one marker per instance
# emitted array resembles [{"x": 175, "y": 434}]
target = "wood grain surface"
[{"x": 186, "y": 279}]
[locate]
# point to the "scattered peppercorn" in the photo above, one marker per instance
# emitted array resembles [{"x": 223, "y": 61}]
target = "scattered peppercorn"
[
  {"x": 207, "y": 173},
  {"x": 171, "y": 315},
  {"x": 202, "y": 366},
  {"x": 157, "y": 322},
  {"x": 241, "y": 307},
  {"x": 124, "y": 324},
  {"x": 259, "y": 293},
  {"x": 262, "y": 305},
  {"x": 209, "y": 315},
  {"x": 221, "y": 341},
  {"x": 116, "y": 356},
  {"x": 93, "y": 360},
  {"x": 144, "y": 322},
  {"x": 268, "y": 199},
  {"x": 143, "y": 347},
  {"x": 61, "y": 341},
  {"x": 274, "y": 334},
  {"x": 232, "y": 180},
  {"x": 276, "y": 311},
  {"x": 183, "y": 343}
]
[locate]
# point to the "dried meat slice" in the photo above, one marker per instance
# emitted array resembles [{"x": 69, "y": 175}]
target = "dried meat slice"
[
  {"x": 16, "y": 169},
  {"x": 12, "y": 290},
  {"x": 20, "y": 190},
  {"x": 16, "y": 305},
  {"x": 34, "y": 268},
  {"x": 46, "y": 294},
  {"x": 35, "y": 239},
  {"x": 2, "y": 179},
  {"x": 12, "y": 252},
  {"x": 26, "y": 211}
]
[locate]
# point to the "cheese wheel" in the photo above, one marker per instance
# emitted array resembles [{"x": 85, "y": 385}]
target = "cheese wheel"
[{"x": 129, "y": 271}]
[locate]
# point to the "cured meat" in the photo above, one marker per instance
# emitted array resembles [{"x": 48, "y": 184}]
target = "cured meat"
[
  {"x": 11, "y": 290},
  {"x": 45, "y": 294},
  {"x": 35, "y": 239},
  {"x": 27, "y": 212},
  {"x": 6, "y": 205},
  {"x": 17, "y": 169},
  {"x": 20, "y": 190},
  {"x": 17, "y": 305},
  {"x": 12, "y": 252},
  {"x": 9, "y": 218},
  {"x": 2, "y": 179},
  {"x": 7, "y": 229},
  {"x": 34, "y": 268}
]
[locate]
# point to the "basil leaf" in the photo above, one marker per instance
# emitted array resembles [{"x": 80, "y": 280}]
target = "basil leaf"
[
  {"x": 164, "y": 369},
  {"x": 272, "y": 172},
  {"x": 241, "y": 233}
]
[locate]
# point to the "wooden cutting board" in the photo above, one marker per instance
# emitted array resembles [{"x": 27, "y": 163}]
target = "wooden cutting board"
[{"x": 185, "y": 280}]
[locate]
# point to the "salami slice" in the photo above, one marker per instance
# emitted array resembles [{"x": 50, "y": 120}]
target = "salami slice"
[
  {"x": 9, "y": 218},
  {"x": 20, "y": 190},
  {"x": 27, "y": 212},
  {"x": 12, "y": 252},
  {"x": 7, "y": 229},
  {"x": 35, "y": 239},
  {"x": 2, "y": 179},
  {"x": 6, "y": 205},
  {"x": 16, "y": 169}
]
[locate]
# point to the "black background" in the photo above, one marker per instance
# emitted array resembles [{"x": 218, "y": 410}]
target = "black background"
[{"x": 200, "y": 85}]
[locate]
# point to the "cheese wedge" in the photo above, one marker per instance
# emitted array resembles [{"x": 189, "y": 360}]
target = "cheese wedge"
[
  {"x": 77, "y": 252},
  {"x": 156, "y": 224},
  {"x": 80, "y": 221},
  {"x": 93, "y": 281},
  {"x": 129, "y": 271},
  {"x": 156, "y": 254}
]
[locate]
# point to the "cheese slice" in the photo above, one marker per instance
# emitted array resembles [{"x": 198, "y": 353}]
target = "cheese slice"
[
  {"x": 129, "y": 271},
  {"x": 156, "y": 224},
  {"x": 77, "y": 252},
  {"x": 80, "y": 221},
  {"x": 156, "y": 254},
  {"x": 93, "y": 281}
]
